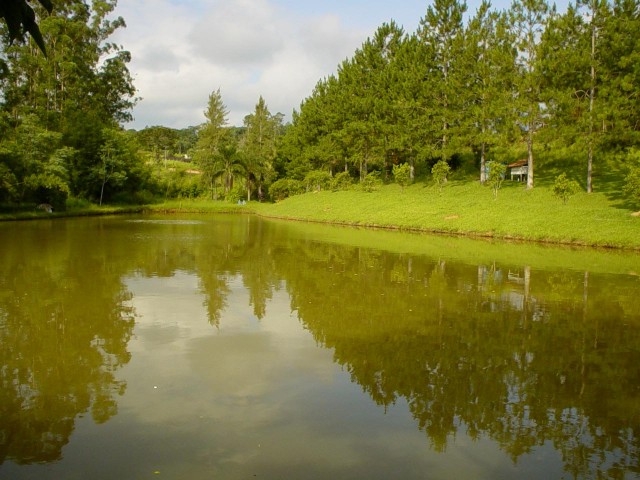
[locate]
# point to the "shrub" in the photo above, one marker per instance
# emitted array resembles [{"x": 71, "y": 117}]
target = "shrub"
[
  {"x": 564, "y": 188},
  {"x": 440, "y": 171},
  {"x": 371, "y": 182},
  {"x": 342, "y": 181},
  {"x": 236, "y": 194},
  {"x": 75, "y": 203},
  {"x": 284, "y": 188},
  {"x": 402, "y": 175},
  {"x": 496, "y": 176},
  {"x": 632, "y": 185},
  {"x": 317, "y": 180}
]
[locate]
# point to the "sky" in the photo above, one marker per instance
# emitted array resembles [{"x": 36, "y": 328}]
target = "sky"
[{"x": 183, "y": 50}]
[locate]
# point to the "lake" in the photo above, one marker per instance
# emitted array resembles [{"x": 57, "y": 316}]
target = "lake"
[{"x": 200, "y": 347}]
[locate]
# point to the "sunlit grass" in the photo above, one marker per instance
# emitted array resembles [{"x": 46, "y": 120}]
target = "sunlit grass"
[{"x": 469, "y": 208}]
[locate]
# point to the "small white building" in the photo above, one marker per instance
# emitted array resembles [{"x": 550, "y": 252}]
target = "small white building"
[{"x": 519, "y": 169}]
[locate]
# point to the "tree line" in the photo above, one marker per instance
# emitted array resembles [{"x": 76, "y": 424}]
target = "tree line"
[
  {"x": 502, "y": 84},
  {"x": 60, "y": 113},
  {"x": 485, "y": 89}
]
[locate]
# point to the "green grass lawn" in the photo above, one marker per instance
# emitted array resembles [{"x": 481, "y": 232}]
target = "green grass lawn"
[{"x": 466, "y": 207}]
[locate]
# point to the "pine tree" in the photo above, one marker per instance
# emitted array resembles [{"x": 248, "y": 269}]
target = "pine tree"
[
  {"x": 258, "y": 147},
  {"x": 489, "y": 59},
  {"x": 441, "y": 33},
  {"x": 528, "y": 19},
  {"x": 208, "y": 153}
]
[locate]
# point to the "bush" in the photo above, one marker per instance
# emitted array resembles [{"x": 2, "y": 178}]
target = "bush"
[
  {"x": 564, "y": 188},
  {"x": 342, "y": 181},
  {"x": 440, "y": 171},
  {"x": 75, "y": 203},
  {"x": 632, "y": 185},
  {"x": 285, "y": 187},
  {"x": 496, "y": 176},
  {"x": 236, "y": 194},
  {"x": 317, "y": 180},
  {"x": 402, "y": 175},
  {"x": 371, "y": 182}
]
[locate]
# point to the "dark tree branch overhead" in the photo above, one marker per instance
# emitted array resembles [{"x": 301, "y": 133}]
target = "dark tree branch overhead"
[{"x": 20, "y": 18}]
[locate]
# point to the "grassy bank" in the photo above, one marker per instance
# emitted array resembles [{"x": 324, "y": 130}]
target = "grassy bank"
[
  {"x": 468, "y": 208},
  {"x": 86, "y": 210},
  {"x": 600, "y": 219}
]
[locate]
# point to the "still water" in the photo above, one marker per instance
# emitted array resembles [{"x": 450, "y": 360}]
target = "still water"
[{"x": 201, "y": 347}]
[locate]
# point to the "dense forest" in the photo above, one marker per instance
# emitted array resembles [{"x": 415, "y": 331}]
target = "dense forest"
[{"x": 468, "y": 92}]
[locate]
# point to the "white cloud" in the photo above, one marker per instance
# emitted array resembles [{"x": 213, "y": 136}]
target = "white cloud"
[
  {"x": 183, "y": 50},
  {"x": 238, "y": 32},
  {"x": 247, "y": 48}
]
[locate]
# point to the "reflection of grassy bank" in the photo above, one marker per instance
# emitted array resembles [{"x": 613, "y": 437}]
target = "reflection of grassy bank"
[{"x": 472, "y": 251}]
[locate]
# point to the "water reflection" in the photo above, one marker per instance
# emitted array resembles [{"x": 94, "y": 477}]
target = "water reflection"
[
  {"x": 522, "y": 356},
  {"x": 485, "y": 347},
  {"x": 64, "y": 328}
]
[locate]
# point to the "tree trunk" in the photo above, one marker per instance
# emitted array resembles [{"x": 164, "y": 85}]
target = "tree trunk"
[
  {"x": 102, "y": 193},
  {"x": 530, "y": 158},
  {"x": 592, "y": 99},
  {"x": 483, "y": 163}
]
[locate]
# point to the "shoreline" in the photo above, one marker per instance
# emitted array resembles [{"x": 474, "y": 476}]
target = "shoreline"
[{"x": 247, "y": 210}]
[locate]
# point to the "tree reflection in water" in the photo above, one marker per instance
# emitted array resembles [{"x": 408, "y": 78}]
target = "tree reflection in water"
[
  {"x": 64, "y": 329},
  {"x": 524, "y": 357}
]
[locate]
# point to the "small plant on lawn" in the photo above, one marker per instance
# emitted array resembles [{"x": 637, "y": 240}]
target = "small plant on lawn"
[
  {"x": 402, "y": 175},
  {"x": 496, "y": 176},
  {"x": 371, "y": 182},
  {"x": 564, "y": 188},
  {"x": 440, "y": 171}
]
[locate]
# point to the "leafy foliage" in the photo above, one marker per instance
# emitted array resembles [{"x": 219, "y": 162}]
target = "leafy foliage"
[
  {"x": 258, "y": 147},
  {"x": 317, "y": 180},
  {"x": 371, "y": 182},
  {"x": 440, "y": 172},
  {"x": 402, "y": 175},
  {"x": 564, "y": 188},
  {"x": 632, "y": 184},
  {"x": 496, "y": 176},
  {"x": 55, "y": 110},
  {"x": 285, "y": 187},
  {"x": 341, "y": 181}
]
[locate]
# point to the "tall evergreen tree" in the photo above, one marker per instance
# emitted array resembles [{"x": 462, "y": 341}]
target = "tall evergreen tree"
[
  {"x": 528, "y": 20},
  {"x": 208, "y": 151},
  {"x": 620, "y": 39},
  {"x": 258, "y": 146},
  {"x": 441, "y": 32},
  {"x": 489, "y": 59}
]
